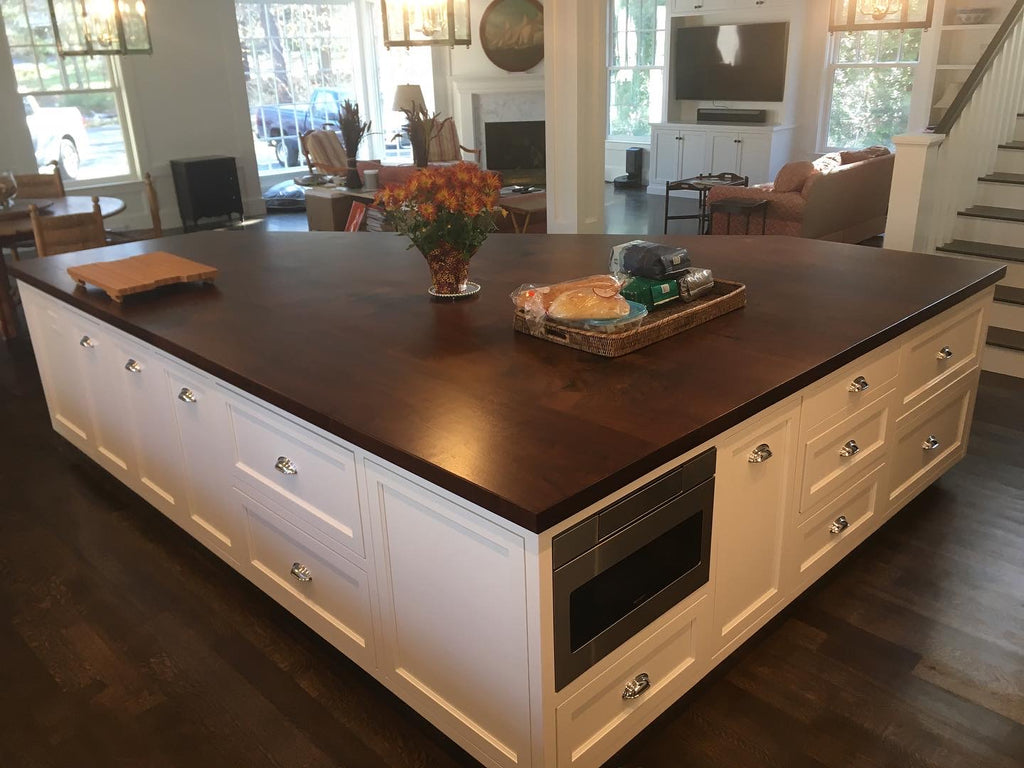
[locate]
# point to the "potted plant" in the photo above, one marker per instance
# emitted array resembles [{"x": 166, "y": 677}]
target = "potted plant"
[
  {"x": 352, "y": 130},
  {"x": 447, "y": 212}
]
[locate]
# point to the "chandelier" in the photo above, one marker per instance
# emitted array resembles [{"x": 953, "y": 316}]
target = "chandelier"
[
  {"x": 879, "y": 9},
  {"x": 426, "y": 22},
  {"x": 100, "y": 27}
]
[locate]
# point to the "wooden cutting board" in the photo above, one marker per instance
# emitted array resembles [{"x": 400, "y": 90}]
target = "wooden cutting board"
[{"x": 140, "y": 273}]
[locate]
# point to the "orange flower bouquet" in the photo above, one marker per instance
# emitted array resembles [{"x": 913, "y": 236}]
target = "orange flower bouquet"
[{"x": 447, "y": 212}]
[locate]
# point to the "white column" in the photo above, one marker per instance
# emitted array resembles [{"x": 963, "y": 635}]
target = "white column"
[
  {"x": 576, "y": 113},
  {"x": 913, "y": 184},
  {"x": 16, "y": 153}
]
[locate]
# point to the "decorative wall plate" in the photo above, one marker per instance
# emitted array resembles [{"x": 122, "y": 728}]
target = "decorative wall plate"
[{"x": 512, "y": 34}]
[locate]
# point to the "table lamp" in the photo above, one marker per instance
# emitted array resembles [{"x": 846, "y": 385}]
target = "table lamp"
[{"x": 408, "y": 98}]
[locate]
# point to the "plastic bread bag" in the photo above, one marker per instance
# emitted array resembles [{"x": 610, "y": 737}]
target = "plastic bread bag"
[
  {"x": 597, "y": 295},
  {"x": 642, "y": 258}
]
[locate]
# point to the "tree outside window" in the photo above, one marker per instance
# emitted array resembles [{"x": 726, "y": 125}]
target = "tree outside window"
[
  {"x": 872, "y": 76},
  {"x": 636, "y": 66}
]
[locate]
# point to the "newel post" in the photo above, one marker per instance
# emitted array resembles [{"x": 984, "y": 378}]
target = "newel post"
[{"x": 910, "y": 223}]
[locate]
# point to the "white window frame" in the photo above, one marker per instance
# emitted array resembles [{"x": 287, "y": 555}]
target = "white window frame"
[
  {"x": 613, "y": 32},
  {"x": 830, "y": 72}
]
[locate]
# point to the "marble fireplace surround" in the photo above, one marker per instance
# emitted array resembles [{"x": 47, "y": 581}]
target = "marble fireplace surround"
[{"x": 499, "y": 99}]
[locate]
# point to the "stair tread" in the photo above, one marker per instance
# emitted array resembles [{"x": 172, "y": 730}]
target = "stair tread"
[
  {"x": 985, "y": 250},
  {"x": 1012, "y": 145},
  {"x": 994, "y": 212},
  {"x": 1003, "y": 178},
  {"x": 1006, "y": 338},
  {"x": 1009, "y": 294}
]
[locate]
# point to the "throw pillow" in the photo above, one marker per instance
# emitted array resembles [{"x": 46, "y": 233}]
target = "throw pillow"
[
  {"x": 855, "y": 156},
  {"x": 828, "y": 163},
  {"x": 791, "y": 176}
]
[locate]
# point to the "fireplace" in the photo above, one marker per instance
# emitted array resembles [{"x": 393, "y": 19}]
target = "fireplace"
[{"x": 516, "y": 150}]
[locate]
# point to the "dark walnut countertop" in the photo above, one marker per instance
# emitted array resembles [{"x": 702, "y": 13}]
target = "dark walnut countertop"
[{"x": 338, "y": 329}]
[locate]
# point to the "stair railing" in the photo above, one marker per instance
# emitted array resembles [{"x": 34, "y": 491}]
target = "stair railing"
[{"x": 936, "y": 173}]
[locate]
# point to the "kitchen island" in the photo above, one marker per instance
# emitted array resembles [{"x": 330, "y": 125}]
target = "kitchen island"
[{"x": 394, "y": 470}]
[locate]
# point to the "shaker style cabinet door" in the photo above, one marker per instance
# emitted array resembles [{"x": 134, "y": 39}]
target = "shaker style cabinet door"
[{"x": 753, "y": 491}]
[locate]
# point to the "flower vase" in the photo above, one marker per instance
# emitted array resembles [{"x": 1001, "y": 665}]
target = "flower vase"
[
  {"x": 352, "y": 180},
  {"x": 449, "y": 269}
]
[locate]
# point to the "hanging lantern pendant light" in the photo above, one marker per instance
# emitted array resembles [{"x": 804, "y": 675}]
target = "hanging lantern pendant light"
[
  {"x": 426, "y": 22},
  {"x": 879, "y": 9},
  {"x": 100, "y": 27}
]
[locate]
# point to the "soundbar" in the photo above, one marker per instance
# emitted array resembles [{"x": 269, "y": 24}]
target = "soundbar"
[{"x": 720, "y": 115}]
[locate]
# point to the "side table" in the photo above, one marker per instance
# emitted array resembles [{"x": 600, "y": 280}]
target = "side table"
[{"x": 741, "y": 206}]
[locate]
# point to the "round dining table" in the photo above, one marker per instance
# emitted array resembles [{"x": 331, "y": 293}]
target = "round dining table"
[{"x": 16, "y": 225}]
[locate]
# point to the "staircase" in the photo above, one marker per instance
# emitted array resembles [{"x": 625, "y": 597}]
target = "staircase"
[
  {"x": 993, "y": 230},
  {"x": 960, "y": 190}
]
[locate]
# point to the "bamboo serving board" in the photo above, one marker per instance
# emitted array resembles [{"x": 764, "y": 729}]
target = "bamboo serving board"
[{"x": 140, "y": 273}]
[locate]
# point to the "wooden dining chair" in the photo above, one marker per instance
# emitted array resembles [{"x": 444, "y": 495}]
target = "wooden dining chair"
[
  {"x": 34, "y": 186},
  {"x": 324, "y": 152},
  {"x": 156, "y": 230},
  {"x": 356, "y": 216},
  {"x": 73, "y": 232}
]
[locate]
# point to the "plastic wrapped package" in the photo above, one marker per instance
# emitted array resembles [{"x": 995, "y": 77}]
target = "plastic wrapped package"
[
  {"x": 642, "y": 258},
  {"x": 587, "y": 302}
]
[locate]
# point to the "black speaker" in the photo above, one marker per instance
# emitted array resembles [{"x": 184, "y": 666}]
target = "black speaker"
[{"x": 729, "y": 115}]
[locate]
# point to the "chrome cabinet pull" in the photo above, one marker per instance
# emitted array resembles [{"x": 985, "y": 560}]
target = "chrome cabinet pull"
[
  {"x": 858, "y": 385},
  {"x": 187, "y": 396},
  {"x": 636, "y": 687},
  {"x": 840, "y": 525},
  {"x": 132, "y": 366},
  {"x": 286, "y": 466},
  {"x": 850, "y": 449},
  {"x": 944, "y": 354},
  {"x": 930, "y": 443},
  {"x": 763, "y": 452},
  {"x": 301, "y": 572},
  {"x": 86, "y": 342}
]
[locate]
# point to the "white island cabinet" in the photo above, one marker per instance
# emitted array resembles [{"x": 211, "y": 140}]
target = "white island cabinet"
[{"x": 450, "y": 605}]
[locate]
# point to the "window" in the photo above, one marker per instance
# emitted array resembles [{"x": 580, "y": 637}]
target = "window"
[
  {"x": 303, "y": 59},
  {"x": 636, "y": 66},
  {"x": 871, "y": 76},
  {"x": 73, "y": 106}
]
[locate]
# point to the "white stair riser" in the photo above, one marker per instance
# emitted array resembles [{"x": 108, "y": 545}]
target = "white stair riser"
[
  {"x": 1001, "y": 360},
  {"x": 1010, "y": 160},
  {"x": 989, "y": 231},
  {"x": 1000, "y": 195},
  {"x": 1007, "y": 316},
  {"x": 1014, "y": 270}
]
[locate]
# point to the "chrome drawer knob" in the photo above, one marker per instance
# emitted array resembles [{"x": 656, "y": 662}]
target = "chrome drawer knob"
[
  {"x": 636, "y": 687},
  {"x": 762, "y": 453},
  {"x": 301, "y": 572},
  {"x": 286, "y": 466},
  {"x": 858, "y": 385},
  {"x": 132, "y": 366},
  {"x": 850, "y": 449},
  {"x": 930, "y": 443},
  {"x": 840, "y": 525},
  {"x": 944, "y": 354},
  {"x": 86, "y": 342},
  {"x": 187, "y": 396}
]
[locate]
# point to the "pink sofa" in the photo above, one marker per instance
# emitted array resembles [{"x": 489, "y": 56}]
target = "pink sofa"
[{"x": 842, "y": 196}]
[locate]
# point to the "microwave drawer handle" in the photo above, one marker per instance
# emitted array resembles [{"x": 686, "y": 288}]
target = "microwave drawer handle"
[{"x": 636, "y": 687}]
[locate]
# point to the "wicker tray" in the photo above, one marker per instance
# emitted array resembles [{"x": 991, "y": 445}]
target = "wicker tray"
[{"x": 658, "y": 325}]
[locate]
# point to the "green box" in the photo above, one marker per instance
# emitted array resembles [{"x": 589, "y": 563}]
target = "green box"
[{"x": 650, "y": 293}]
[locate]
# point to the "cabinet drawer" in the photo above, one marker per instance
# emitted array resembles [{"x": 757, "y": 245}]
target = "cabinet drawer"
[
  {"x": 834, "y": 457},
  {"x": 824, "y": 539},
  {"x": 853, "y": 387},
  {"x": 932, "y": 438},
  {"x": 597, "y": 721},
  {"x": 321, "y": 588},
  {"x": 312, "y": 478},
  {"x": 939, "y": 353}
]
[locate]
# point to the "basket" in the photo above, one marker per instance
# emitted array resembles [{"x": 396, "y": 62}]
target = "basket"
[{"x": 660, "y": 324}]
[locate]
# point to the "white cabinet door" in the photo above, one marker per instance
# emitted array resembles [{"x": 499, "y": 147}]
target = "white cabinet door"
[
  {"x": 201, "y": 415},
  {"x": 725, "y": 152},
  {"x": 753, "y": 492},
  {"x": 59, "y": 356},
  {"x": 665, "y": 153},
  {"x": 755, "y": 151},
  {"x": 694, "y": 146},
  {"x": 683, "y": 7},
  {"x": 454, "y": 615}
]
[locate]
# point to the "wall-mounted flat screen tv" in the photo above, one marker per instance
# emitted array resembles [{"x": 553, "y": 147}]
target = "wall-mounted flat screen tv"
[{"x": 731, "y": 62}]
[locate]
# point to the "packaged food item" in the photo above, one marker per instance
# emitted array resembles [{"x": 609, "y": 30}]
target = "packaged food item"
[
  {"x": 695, "y": 283},
  {"x": 651, "y": 293},
  {"x": 642, "y": 258},
  {"x": 593, "y": 299},
  {"x": 587, "y": 304}
]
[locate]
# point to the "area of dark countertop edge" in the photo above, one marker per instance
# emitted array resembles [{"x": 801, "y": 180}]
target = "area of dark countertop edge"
[{"x": 49, "y": 276}]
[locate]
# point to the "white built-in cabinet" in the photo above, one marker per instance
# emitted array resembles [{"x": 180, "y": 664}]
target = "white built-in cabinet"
[
  {"x": 677, "y": 154},
  {"x": 448, "y": 605},
  {"x": 700, "y": 7}
]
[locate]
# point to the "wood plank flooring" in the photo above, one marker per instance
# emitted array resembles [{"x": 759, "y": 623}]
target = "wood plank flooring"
[{"x": 125, "y": 643}]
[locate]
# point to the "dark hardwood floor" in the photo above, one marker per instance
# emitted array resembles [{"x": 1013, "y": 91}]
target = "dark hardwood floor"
[{"x": 125, "y": 643}]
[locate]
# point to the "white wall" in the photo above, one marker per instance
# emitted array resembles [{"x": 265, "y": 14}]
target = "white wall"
[{"x": 188, "y": 99}]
